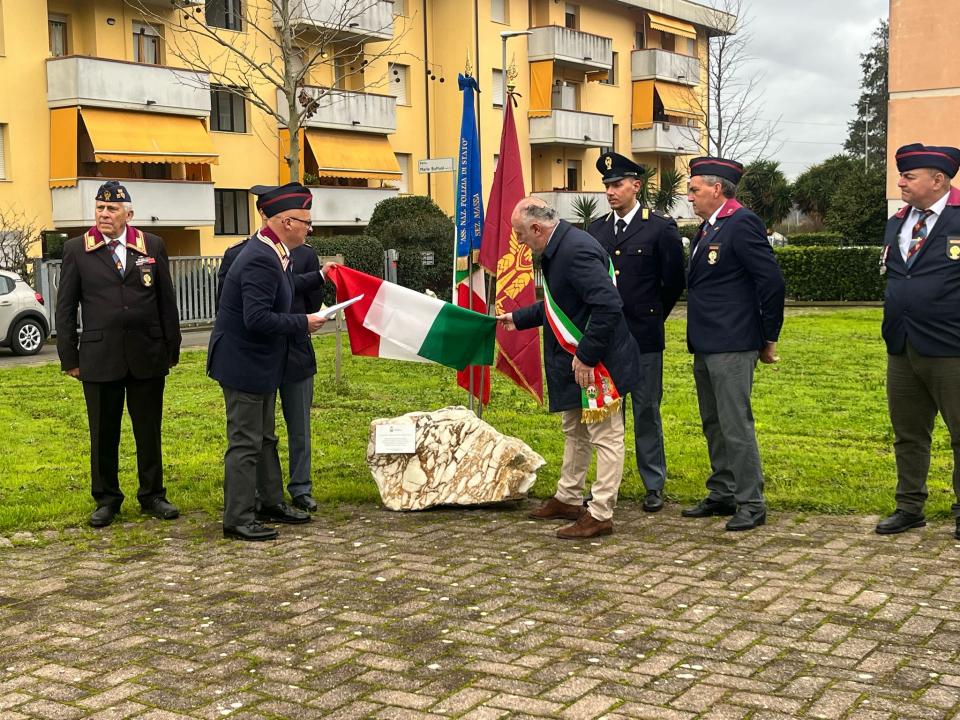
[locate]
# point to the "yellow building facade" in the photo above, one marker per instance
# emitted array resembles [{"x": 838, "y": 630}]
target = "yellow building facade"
[{"x": 98, "y": 89}]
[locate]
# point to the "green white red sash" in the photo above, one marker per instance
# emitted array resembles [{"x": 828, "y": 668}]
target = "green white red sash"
[{"x": 601, "y": 397}]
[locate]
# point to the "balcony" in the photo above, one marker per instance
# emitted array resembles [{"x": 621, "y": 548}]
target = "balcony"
[
  {"x": 570, "y": 127},
  {"x": 570, "y": 47},
  {"x": 346, "y": 110},
  {"x": 665, "y": 138},
  {"x": 156, "y": 203},
  {"x": 562, "y": 201},
  {"x": 94, "y": 82},
  {"x": 368, "y": 20},
  {"x": 664, "y": 65},
  {"x": 346, "y": 205}
]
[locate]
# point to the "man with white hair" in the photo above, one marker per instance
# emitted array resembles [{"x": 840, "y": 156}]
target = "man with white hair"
[{"x": 130, "y": 340}]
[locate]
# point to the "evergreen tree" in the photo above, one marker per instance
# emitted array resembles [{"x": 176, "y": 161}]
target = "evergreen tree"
[
  {"x": 872, "y": 106},
  {"x": 858, "y": 209},
  {"x": 765, "y": 190},
  {"x": 814, "y": 188}
]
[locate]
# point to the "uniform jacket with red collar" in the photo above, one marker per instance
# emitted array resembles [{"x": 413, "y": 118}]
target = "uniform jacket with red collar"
[
  {"x": 130, "y": 321},
  {"x": 735, "y": 290},
  {"x": 922, "y": 298}
]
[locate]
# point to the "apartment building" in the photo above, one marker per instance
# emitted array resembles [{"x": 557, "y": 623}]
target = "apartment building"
[
  {"x": 97, "y": 89},
  {"x": 924, "y": 81}
]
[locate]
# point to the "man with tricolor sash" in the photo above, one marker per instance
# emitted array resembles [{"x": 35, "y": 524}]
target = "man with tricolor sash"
[{"x": 589, "y": 355}]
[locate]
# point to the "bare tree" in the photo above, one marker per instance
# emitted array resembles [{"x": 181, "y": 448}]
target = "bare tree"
[
  {"x": 19, "y": 234},
  {"x": 283, "y": 43},
  {"x": 732, "y": 105}
]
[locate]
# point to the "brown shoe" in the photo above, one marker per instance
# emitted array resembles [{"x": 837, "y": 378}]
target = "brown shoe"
[
  {"x": 586, "y": 526},
  {"x": 553, "y": 509}
]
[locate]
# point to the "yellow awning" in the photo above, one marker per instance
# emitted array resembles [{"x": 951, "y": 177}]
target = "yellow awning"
[
  {"x": 353, "y": 155},
  {"x": 63, "y": 147},
  {"x": 678, "y": 100},
  {"x": 674, "y": 27},
  {"x": 139, "y": 137},
  {"x": 541, "y": 87},
  {"x": 642, "y": 115}
]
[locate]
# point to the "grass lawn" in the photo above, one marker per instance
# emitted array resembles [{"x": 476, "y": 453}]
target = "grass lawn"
[{"x": 821, "y": 418}]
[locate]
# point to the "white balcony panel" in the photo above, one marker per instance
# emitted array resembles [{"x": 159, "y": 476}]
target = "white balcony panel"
[
  {"x": 571, "y": 47},
  {"x": 665, "y": 138},
  {"x": 569, "y": 127},
  {"x": 371, "y": 19},
  {"x": 94, "y": 82},
  {"x": 346, "y": 205},
  {"x": 663, "y": 65},
  {"x": 562, "y": 202},
  {"x": 173, "y": 204},
  {"x": 345, "y": 110}
]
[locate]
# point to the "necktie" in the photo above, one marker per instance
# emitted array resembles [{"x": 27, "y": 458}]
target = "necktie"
[
  {"x": 621, "y": 226},
  {"x": 113, "y": 244},
  {"x": 919, "y": 233}
]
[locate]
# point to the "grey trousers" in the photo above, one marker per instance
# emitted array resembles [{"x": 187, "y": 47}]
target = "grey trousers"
[
  {"x": 917, "y": 388},
  {"x": 724, "y": 382},
  {"x": 251, "y": 464},
  {"x": 296, "y": 399},
  {"x": 645, "y": 399}
]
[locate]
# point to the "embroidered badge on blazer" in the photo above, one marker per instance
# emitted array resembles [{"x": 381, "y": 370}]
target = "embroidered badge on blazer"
[
  {"x": 953, "y": 247},
  {"x": 146, "y": 274},
  {"x": 713, "y": 253}
]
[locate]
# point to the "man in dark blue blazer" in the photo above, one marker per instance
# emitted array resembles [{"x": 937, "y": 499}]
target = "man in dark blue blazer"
[
  {"x": 734, "y": 315},
  {"x": 647, "y": 256},
  {"x": 921, "y": 324},
  {"x": 248, "y": 354},
  {"x": 576, "y": 271}
]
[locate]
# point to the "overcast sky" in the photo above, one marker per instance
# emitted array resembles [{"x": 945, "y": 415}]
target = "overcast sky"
[{"x": 810, "y": 54}]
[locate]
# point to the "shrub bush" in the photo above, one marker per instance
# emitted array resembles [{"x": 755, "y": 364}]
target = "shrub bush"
[
  {"x": 360, "y": 252},
  {"x": 831, "y": 273},
  {"x": 689, "y": 231},
  {"x": 816, "y": 239}
]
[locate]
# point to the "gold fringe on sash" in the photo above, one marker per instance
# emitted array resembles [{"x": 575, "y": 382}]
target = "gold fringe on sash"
[{"x": 595, "y": 415}]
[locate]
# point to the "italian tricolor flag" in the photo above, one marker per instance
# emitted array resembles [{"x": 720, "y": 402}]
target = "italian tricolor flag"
[{"x": 401, "y": 324}]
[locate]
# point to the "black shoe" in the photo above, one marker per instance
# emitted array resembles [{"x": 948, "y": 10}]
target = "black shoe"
[
  {"x": 252, "y": 532},
  {"x": 747, "y": 519},
  {"x": 103, "y": 516},
  {"x": 282, "y": 513},
  {"x": 899, "y": 522},
  {"x": 653, "y": 502},
  {"x": 709, "y": 508},
  {"x": 305, "y": 502},
  {"x": 161, "y": 509}
]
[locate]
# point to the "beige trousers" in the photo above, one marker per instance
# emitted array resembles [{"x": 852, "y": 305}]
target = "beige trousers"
[{"x": 580, "y": 440}]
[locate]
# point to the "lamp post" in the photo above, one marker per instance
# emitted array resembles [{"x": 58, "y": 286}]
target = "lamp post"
[{"x": 504, "y": 36}]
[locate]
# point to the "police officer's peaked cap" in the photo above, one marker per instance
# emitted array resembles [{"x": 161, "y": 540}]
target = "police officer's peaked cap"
[
  {"x": 273, "y": 200},
  {"x": 915, "y": 156},
  {"x": 113, "y": 191},
  {"x": 720, "y": 167},
  {"x": 614, "y": 166}
]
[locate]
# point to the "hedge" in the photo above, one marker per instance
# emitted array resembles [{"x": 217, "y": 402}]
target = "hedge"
[
  {"x": 831, "y": 273},
  {"x": 816, "y": 239},
  {"x": 361, "y": 252}
]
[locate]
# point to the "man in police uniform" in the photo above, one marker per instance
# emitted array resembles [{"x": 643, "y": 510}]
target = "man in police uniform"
[
  {"x": 247, "y": 355},
  {"x": 131, "y": 338},
  {"x": 734, "y": 315},
  {"x": 921, "y": 324},
  {"x": 647, "y": 256}
]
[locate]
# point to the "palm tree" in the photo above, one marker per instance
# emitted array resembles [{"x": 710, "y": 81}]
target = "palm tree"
[{"x": 585, "y": 208}]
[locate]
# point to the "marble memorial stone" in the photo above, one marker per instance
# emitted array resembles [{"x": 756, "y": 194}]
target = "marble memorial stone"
[{"x": 459, "y": 460}]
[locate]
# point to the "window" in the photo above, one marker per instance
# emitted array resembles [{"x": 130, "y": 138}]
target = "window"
[
  {"x": 403, "y": 160},
  {"x": 496, "y": 87},
  {"x": 226, "y": 14},
  {"x": 232, "y": 208},
  {"x": 571, "y": 16},
  {"x": 498, "y": 11},
  {"x": 146, "y": 44},
  {"x": 57, "y": 27},
  {"x": 613, "y": 147},
  {"x": 639, "y": 37},
  {"x": 668, "y": 42},
  {"x": 398, "y": 79},
  {"x": 227, "y": 110},
  {"x": 573, "y": 175},
  {"x": 6, "y": 284},
  {"x": 3, "y": 151},
  {"x": 340, "y": 72},
  {"x": 612, "y": 75}
]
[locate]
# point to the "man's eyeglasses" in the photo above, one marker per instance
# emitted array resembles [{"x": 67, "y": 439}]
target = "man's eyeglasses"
[{"x": 308, "y": 223}]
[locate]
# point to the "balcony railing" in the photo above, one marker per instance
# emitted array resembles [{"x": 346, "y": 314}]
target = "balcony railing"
[
  {"x": 571, "y": 47},
  {"x": 665, "y": 138},
  {"x": 157, "y": 203},
  {"x": 95, "y": 82},
  {"x": 346, "y": 110},
  {"x": 570, "y": 127},
  {"x": 371, "y": 19},
  {"x": 346, "y": 205},
  {"x": 562, "y": 201},
  {"x": 664, "y": 65}
]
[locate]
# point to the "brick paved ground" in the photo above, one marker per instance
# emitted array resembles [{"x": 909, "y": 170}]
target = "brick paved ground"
[{"x": 483, "y": 614}]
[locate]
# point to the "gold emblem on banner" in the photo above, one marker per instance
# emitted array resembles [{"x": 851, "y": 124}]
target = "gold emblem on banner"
[{"x": 514, "y": 271}]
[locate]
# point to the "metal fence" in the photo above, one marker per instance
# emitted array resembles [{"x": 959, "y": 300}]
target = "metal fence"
[{"x": 194, "y": 283}]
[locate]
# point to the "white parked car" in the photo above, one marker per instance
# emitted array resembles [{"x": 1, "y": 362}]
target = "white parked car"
[{"x": 23, "y": 322}]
